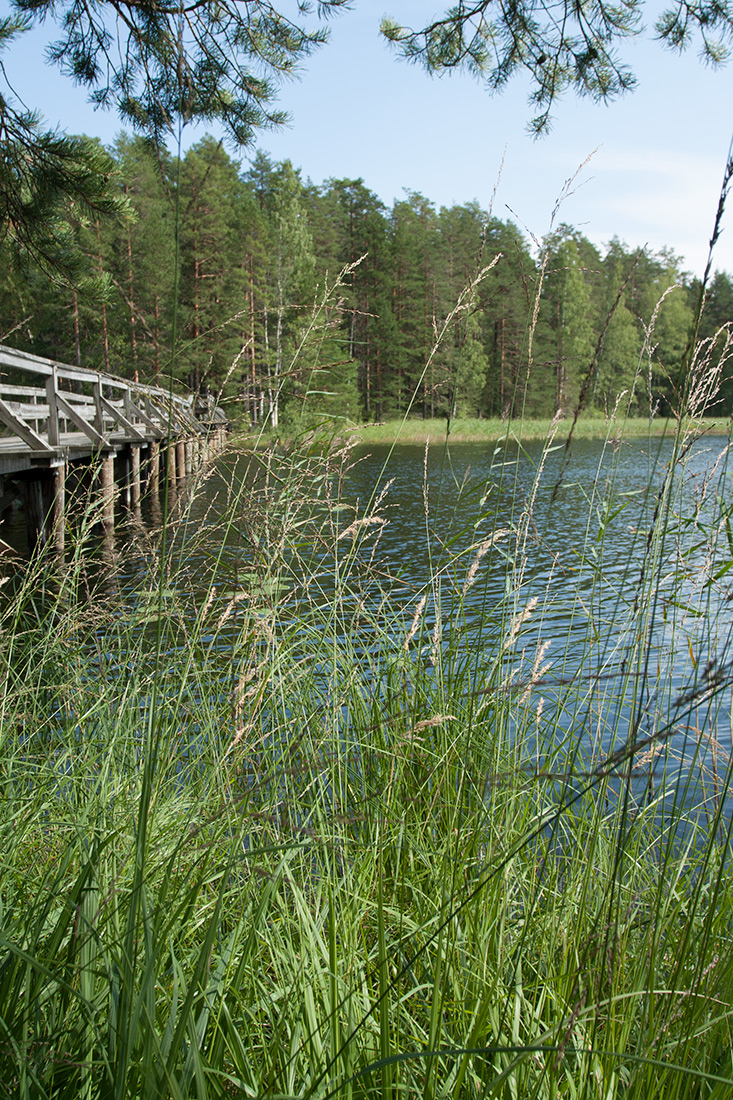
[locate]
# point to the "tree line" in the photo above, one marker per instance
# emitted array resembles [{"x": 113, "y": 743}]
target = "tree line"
[{"x": 283, "y": 295}]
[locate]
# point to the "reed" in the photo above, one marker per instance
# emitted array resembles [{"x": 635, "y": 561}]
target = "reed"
[
  {"x": 280, "y": 828},
  {"x": 495, "y": 430}
]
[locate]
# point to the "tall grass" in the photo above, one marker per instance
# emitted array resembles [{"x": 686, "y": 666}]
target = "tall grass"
[
  {"x": 276, "y": 826},
  {"x": 494, "y": 429}
]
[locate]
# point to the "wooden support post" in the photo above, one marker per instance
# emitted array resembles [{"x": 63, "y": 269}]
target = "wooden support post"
[
  {"x": 181, "y": 459},
  {"x": 189, "y": 457},
  {"x": 154, "y": 468},
  {"x": 107, "y": 485},
  {"x": 123, "y": 476},
  {"x": 171, "y": 465},
  {"x": 135, "y": 476},
  {"x": 58, "y": 508},
  {"x": 42, "y": 493}
]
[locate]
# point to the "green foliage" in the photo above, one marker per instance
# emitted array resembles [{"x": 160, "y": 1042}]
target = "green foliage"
[
  {"x": 142, "y": 258},
  {"x": 46, "y": 180},
  {"x": 572, "y": 324},
  {"x": 200, "y": 61},
  {"x": 212, "y": 267},
  {"x": 159, "y": 66},
  {"x": 571, "y": 47},
  {"x": 258, "y": 248}
]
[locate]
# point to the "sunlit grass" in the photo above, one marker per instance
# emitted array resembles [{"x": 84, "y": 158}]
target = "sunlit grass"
[{"x": 529, "y": 430}]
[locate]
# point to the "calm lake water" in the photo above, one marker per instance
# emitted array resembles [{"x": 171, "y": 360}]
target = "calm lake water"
[
  {"x": 550, "y": 568},
  {"x": 627, "y": 630}
]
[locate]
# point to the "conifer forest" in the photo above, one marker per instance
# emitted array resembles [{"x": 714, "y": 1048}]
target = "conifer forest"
[{"x": 259, "y": 248}]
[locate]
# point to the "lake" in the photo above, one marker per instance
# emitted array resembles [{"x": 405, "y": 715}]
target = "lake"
[{"x": 589, "y": 590}]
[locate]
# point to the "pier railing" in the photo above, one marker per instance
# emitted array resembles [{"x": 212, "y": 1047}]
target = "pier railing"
[
  {"x": 99, "y": 406},
  {"x": 132, "y": 434}
]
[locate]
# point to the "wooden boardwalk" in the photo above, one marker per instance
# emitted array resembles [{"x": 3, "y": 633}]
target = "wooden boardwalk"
[{"x": 55, "y": 417}]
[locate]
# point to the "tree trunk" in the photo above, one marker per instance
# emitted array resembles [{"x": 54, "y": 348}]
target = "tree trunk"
[
  {"x": 105, "y": 330},
  {"x": 77, "y": 342},
  {"x": 131, "y": 297}
]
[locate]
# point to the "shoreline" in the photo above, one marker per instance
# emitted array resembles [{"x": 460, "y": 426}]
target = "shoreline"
[
  {"x": 494, "y": 430},
  {"x": 529, "y": 430}
]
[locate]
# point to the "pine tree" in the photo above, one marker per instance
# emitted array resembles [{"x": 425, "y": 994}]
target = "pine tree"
[
  {"x": 462, "y": 357},
  {"x": 143, "y": 271},
  {"x": 567, "y": 295},
  {"x": 617, "y": 368},
  {"x": 416, "y": 249},
  {"x": 352, "y": 229},
  {"x": 212, "y": 265},
  {"x": 287, "y": 284},
  {"x": 568, "y": 46},
  {"x": 507, "y": 299},
  {"x": 718, "y": 312}
]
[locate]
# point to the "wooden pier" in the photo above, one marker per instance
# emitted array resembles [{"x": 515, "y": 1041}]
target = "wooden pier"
[{"x": 55, "y": 419}]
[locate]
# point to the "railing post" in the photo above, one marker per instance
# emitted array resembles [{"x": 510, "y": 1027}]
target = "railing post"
[
  {"x": 99, "y": 415},
  {"x": 52, "y": 430}
]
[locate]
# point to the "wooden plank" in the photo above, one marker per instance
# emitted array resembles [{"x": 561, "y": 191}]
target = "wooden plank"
[
  {"x": 177, "y": 416},
  {"x": 36, "y": 364},
  {"x": 178, "y": 410},
  {"x": 155, "y": 411},
  {"x": 33, "y": 410},
  {"x": 21, "y": 391},
  {"x": 21, "y": 429},
  {"x": 21, "y": 360},
  {"x": 78, "y": 399}
]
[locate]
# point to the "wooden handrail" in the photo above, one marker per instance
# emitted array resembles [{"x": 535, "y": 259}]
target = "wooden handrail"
[
  {"x": 138, "y": 411},
  {"x": 36, "y": 364}
]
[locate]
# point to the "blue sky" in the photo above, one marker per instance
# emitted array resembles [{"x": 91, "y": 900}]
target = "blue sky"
[{"x": 656, "y": 156}]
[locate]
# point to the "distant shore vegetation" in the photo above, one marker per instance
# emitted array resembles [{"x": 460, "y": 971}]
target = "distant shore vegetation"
[
  {"x": 301, "y": 297},
  {"x": 497, "y": 430}
]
